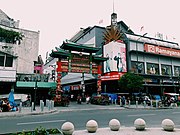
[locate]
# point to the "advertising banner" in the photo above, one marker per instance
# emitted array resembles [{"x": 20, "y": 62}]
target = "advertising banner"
[
  {"x": 161, "y": 50},
  {"x": 115, "y": 51}
]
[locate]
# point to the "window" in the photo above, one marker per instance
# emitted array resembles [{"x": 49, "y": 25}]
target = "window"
[
  {"x": 9, "y": 61},
  {"x": 1, "y": 60},
  {"x": 166, "y": 70},
  {"x": 137, "y": 67},
  {"x": 176, "y": 70},
  {"x": 152, "y": 68}
]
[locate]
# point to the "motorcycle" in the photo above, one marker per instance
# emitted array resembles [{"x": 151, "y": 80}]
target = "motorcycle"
[
  {"x": 87, "y": 100},
  {"x": 79, "y": 98}
]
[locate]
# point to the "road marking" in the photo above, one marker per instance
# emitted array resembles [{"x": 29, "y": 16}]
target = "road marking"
[
  {"x": 40, "y": 122},
  {"x": 141, "y": 115},
  {"x": 175, "y": 112}
]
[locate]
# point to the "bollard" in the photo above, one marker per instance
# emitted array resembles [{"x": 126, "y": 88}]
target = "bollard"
[
  {"x": 41, "y": 103},
  {"x": 129, "y": 103},
  {"x": 151, "y": 104},
  {"x": 42, "y": 106},
  {"x": 139, "y": 124},
  {"x": 47, "y": 102},
  {"x": 32, "y": 106},
  {"x": 120, "y": 103},
  {"x": 136, "y": 104},
  {"x": 52, "y": 105},
  {"x": 168, "y": 125},
  {"x": 156, "y": 104},
  {"x": 67, "y": 128},
  {"x": 20, "y": 107},
  {"x": 114, "y": 124},
  {"x": 112, "y": 101},
  {"x": 144, "y": 104},
  {"x": 91, "y": 126},
  {"x": 49, "y": 105}
]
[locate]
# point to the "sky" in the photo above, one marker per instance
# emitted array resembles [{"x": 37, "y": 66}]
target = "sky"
[{"x": 58, "y": 20}]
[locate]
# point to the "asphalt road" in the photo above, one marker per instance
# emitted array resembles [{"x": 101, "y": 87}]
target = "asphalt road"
[{"x": 80, "y": 117}]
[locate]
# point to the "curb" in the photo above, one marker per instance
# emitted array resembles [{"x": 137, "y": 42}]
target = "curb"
[{"x": 20, "y": 114}]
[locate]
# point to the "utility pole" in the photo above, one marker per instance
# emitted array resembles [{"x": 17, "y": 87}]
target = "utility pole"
[
  {"x": 137, "y": 60},
  {"x": 83, "y": 85},
  {"x": 35, "y": 90}
]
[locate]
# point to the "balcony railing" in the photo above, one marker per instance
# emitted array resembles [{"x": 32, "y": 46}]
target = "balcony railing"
[{"x": 8, "y": 48}]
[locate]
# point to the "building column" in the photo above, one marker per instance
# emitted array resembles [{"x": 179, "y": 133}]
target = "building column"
[
  {"x": 99, "y": 79},
  {"x": 58, "y": 88}
]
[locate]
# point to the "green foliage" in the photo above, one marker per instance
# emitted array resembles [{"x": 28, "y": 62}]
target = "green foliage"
[
  {"x": 130, "y": 81},
  {"x": 39, "y": 131},
  {"x": 10, "y": 36}
]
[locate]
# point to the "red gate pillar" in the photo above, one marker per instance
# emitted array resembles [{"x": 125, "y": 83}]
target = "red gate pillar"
[
  {"x": 58, "y": 88},
  {"x": 99, "y": 79}
]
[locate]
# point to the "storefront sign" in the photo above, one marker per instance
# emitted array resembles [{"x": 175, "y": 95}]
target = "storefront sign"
[
  {"x": 161, "y": 50},
  {"x": 111, "y": 76},
  {"x": 75, "y": 87}
]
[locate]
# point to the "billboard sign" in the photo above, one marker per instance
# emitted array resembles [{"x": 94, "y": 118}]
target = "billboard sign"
[
  {"x": 161, "y": 50},
  {"x": 115, "y": 51}
]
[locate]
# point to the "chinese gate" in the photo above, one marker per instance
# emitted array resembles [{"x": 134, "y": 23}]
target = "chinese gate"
[{"x": 77, "y": 58}]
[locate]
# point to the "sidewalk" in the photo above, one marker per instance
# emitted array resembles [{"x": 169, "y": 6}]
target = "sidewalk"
[
  {"x": 27, "y": 111},
  {"x": 72, "y": 107},
  {"x": 129, "y": 131}
]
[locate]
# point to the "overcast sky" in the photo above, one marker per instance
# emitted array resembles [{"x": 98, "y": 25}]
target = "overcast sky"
[{"x": 58, "y": 20}]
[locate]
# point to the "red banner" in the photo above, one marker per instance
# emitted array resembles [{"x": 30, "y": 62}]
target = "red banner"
[
  {"x": 111, "y": 76},
  {"x": 161, "y": 50}
]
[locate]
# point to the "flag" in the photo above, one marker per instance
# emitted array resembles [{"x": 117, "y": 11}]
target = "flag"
[
  {"x": 166, "y": 37},
  {"x": 101, "y": 21},
  {"x": 142, "y": 28}
]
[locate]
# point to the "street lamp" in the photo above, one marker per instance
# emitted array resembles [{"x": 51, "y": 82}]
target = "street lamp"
[
  {"x": 35, "y": 90},
  {"x": 137, "y": 50},
  {"x": 82, "y": 84}
]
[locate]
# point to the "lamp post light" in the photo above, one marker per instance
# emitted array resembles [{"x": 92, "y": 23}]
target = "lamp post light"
[
  {"x": 35, "y": 90},
  {"x": 82, "y": 84},
  {"x": 137, "y": 50}
]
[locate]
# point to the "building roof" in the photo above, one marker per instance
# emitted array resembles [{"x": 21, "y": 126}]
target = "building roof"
[
  {"x": 59, "y": 53},
  {"x": 84, "y": 31},
  {"x": 68, "y": 45},
  {"x": 140, "y": 38}
]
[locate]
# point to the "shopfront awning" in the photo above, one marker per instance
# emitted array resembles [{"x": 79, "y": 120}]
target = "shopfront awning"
[{"x": 20, "y": 84}]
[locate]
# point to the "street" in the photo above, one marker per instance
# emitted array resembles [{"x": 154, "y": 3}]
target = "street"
[{"x": 80, "y": 114}]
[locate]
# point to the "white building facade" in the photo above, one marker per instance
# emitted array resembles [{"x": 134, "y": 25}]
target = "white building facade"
[{"x": 16, "y": 57}]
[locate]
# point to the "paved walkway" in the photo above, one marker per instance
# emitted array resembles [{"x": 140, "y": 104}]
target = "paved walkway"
[{"x": 129, "y": 131}]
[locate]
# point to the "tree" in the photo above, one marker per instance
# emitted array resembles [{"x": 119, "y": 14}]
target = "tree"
[
  {"x": 10, "y": 36},
  {"x": 131, "y": 82}
]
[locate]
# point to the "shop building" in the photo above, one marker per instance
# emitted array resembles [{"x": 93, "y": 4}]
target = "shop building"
[
  {"x": 16, "y": 56},
  {"x": 157, "y": 60}
]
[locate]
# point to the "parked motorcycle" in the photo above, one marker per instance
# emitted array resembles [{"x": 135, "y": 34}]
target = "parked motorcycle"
[{"x": 79, "y": 99}]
